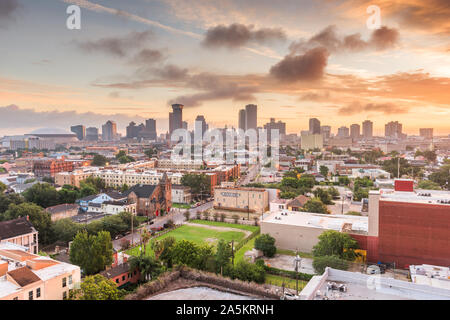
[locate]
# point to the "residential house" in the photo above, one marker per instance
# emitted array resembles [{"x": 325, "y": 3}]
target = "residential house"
[
  {"x": 85, "y": 202},
  {"x": 181, "y": 194},
  {"x": 21, "y": 232},
  {"x": 120, "y": 272},
  {"x": 297, "y": 203}
]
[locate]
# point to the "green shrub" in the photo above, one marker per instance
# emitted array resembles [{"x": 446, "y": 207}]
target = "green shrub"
[
  {"x": 266, "y": 243},
  {"x": 320, "y": 263}
]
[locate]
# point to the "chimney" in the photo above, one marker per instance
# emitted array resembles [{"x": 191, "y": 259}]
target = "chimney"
[{"x": 28, "y": 218}]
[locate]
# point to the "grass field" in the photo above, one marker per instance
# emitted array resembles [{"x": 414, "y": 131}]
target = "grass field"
[
  {"x": 292, "y": 253},
  {"x": 225, "y": 224},
  {"x": 288, "y": 282},
  {"x": 239, "y": 255},
  {"x": 201, "y": 235}
]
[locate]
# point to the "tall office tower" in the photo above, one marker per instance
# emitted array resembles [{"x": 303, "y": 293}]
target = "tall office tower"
[
  {"x": 367, "y": 129},
  {"x": 200, "y": 125},
  {"x": 393, "y": 130},
  {"x": 427, "y": 133},
  {"x": 150, "y": 130},
  {"x": 314, "y": 126},
  {"x": 176, "y": 118},
  {"x": 272, "y": 125},
  {"x": 326, "y": 132},
  {"x": 242, "y": 119},
  {"x": 109, "y": 131},
  {"x": 355, "y": 131},
  {"x": 92, "y": 134},
  {"x": 80, "y": 131},
  {"x": 251, "y": 116},
  {"x": 343, "y": 132}
]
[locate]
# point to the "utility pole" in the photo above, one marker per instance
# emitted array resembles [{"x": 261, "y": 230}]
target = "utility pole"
[
  {"x": 232, "y": 252},
  {"x": 132, "y": 235},
  {"x": 297, "y": 262},
  {"x": 398, "y": 167}
]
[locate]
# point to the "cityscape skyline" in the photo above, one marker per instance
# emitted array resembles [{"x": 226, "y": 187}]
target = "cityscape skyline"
[{"x": 383, "y": 76}]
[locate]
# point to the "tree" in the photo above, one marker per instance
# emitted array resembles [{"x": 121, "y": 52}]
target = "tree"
[
  {"x": 334, "y": 243},
  {"x": 321, "y": 262},
  {"x": 92, "y": 252},
  {"x": 247, "y": 271},
  {"x": 65, "y": 230},
  {"x": 428, "y": 185},
  {"x": 323, "y": 195},
  {"x": 391, "y": 166},
  {"x": 223, "y": 255},
  {"x": 266, "y": 243},
  {"x": 6, "y": 200},
  {"x": 442, "y": 176},
  {"x": 99, "y": 160},
  {"x": 343, "y": 180},
  {"x": 324, "y": 171},
  {"x": 147, "y": 266},
  {"x": 145, "y": 238},
  {"x": 200, "y": 184},
  {"x": 360, "y": 193},
  {"x": 39, "y": 218},
  {"x": 3, "y": 187},
  {"x": 162, "y": 248},
  {"x": 289, "y": 182},
  {"x": 315, "y": 205},
  {"x": 42, "y": 194},
  {"x": 96, "y": 287}
]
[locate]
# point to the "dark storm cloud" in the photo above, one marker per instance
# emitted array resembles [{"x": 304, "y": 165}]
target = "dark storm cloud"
[
  {"x": 7, "y": 10},
  {"x": 308, "y": 66},
  {"x": 148, "y": 57},
  {"x": 237, "y": 35}
]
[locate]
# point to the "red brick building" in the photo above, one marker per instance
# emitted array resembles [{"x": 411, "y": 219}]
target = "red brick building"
[
  {"x": 408, "y": 226},
  {"x": 151, "y": 200},
  {"x": 120, "y": 272},
  {"x": 50, "y": 167}
]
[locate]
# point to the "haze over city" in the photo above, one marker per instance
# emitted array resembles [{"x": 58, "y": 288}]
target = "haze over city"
[{"x": 131, "y": 60}]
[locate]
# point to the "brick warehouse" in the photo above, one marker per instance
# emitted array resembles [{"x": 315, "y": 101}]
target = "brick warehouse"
[{"x": 408, "y": 227}]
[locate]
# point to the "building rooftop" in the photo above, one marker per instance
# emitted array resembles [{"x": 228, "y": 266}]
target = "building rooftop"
[
  {"x": 437, "y": 197},
  {"x": 344, "y": 285},
  {"x": 354, "y": 224},
  {"x": 13, "y": 228}
]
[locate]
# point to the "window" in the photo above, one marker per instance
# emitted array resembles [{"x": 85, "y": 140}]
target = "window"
[
  {"x": 123, "y": 278},
  {"x": 70, "y": 279},
  {"x": 38, "y": 292},
  {"x": 30, "y": 295},
  {"x": 117, "y": 280},
  {"x": 65, "y": 295},
  {"x": 64, "y": 282}
]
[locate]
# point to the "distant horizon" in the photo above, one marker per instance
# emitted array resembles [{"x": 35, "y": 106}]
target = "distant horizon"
[{"x": 295, "y": 59}]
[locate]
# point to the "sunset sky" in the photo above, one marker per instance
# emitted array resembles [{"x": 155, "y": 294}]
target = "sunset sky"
[{"x": 295, "y": 59}]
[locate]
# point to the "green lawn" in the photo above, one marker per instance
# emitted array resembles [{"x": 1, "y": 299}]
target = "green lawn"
[
  {"x": 239, "y": 255},
  {"x": 225, "y": 224},
  {"x": 288, "y": 282},
  {"x": 201, "y": 235},
  {"x": 181, "y": 205}
]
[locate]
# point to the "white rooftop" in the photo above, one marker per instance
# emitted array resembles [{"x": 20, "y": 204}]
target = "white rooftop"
[
  {"x": 417, "y": 196},
  {"x": 317, "y": 220}
]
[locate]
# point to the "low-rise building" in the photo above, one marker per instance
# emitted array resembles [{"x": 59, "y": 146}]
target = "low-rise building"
[
  {"x": 27, "y": 276},
  {"x": 19, "y": 231},
  {"x": 181, "y": 194},
  {"x": 241, "y": 199},
  {"x": 119, "y": 272},
  {"x": 63, "y": 211},
  {"x": 118, "y": 206}
]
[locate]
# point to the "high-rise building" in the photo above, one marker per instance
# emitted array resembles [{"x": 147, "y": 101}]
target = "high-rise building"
[
  {"x": 200, "y": 125},
  {"x": 427, "y": 133},
  {"x": 149, "y": 130},
  {"x": 251, "y": 117},
  {"x": 80, "y": 131},
  {"x": 134, "y": 131},
  {"x": 367, "y": 129},
  {"x": 242, "y": 120},
  {"x": 325, "y": 131},
  {"x": 92, "y": 134},
  {"x": 176, "y": 118},
  {"x": 393, "y": 130},
  {"x": 314, "y": 126},
  {"x": 272, "y": 125},
  {"x": 311, "y": 141},
  {"x": 185, "y": 125},
  {"x": 343, "y": 132},
  {"x": 109, "y": 131},
  {"x": 355, "y": 131}
]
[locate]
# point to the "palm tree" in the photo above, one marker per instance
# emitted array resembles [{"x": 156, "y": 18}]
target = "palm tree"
[
  {"x": 145, "y": 237},
  {"x": 146, "y": 265}
]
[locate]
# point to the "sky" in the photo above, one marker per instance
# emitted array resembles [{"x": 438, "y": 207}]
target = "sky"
[{"x": 295, "y": 59}]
